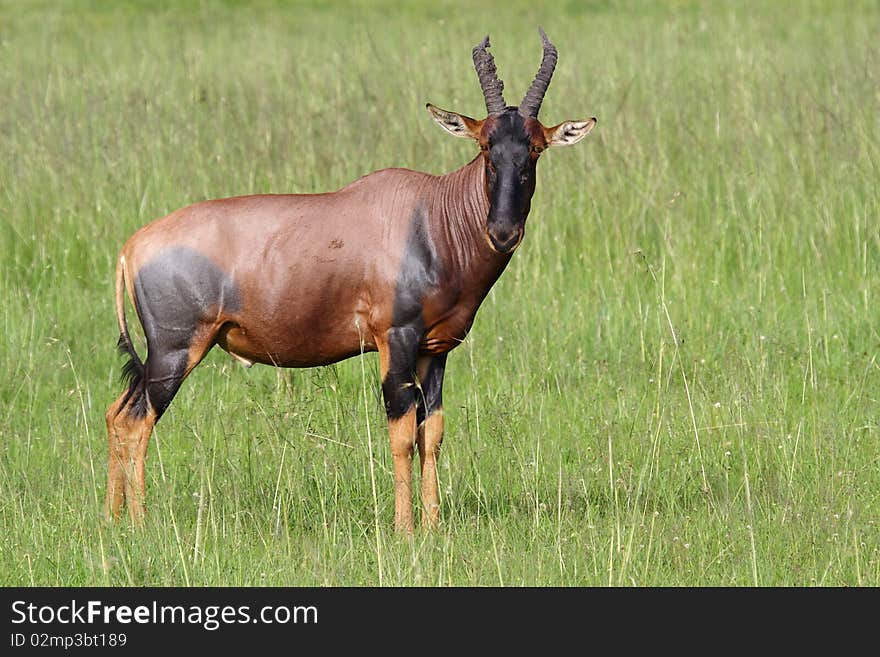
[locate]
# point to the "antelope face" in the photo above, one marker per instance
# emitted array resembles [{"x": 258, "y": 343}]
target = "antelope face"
[
  {"x": 510, "y": 150},
  {"x": 511, "y": 139}
]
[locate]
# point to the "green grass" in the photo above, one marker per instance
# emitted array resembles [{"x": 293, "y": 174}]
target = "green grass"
[{"x": 676, "y": 382}]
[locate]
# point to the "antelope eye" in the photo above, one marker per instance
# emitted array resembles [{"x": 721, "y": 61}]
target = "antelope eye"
[{"x": 537, "y": 149}]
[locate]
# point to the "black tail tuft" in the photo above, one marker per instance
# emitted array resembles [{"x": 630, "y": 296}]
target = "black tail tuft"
[
  {"x": 133, "y": 370},
  {"x": 132, "y": 374}
]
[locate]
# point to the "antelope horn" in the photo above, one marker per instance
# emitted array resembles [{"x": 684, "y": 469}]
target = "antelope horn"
[
  {"x": 489, "y": 82},
  {"x": 531, "y": 103}
]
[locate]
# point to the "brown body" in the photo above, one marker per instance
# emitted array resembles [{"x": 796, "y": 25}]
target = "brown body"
[
  {"x": 315, "y": 271},
  {"x": 397, "y": 262}
]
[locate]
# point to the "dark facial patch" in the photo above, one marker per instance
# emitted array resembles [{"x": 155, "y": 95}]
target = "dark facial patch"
[
  {"x": 510, "y": 128},
  {"x": 510, "y": 172},
  {"x": 175, "y": 293}
]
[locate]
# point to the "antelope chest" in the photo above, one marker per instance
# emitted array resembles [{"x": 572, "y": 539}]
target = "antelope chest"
[{"x": 446, "y": 326}]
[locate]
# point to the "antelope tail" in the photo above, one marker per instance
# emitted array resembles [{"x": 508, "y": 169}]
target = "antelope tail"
[{"x": 133, "y": 370}]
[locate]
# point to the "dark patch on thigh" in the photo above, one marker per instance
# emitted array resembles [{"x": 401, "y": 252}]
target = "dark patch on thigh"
[
  {"x": 419, "y": 272},
  {"x": 165, "y": 373},
  {"x": 175, "y": 292}
]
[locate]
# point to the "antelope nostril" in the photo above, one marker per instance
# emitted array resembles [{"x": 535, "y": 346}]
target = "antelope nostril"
[{"x": 505, "y": 242}]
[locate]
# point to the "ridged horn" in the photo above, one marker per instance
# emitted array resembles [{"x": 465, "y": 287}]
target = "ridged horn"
[
  {"x": 489, "y": 82},
  {"x": 531, "y": 103}
]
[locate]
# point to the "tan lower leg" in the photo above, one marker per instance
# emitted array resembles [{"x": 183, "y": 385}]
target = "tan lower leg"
[
  {"x": 115, "y": 464},
  {"x": 135, "y": 481},
  {"x": 430, "y": 437},
  {"x": 403, "y": 430}
]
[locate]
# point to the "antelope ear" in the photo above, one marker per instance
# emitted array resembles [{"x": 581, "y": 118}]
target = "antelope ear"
[
  {"x": 456, "y": 124},
  {"x": 568, "y": 132}
]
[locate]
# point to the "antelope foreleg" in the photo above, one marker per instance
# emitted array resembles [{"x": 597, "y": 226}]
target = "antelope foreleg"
[
  {"x": 397, "y": 359},
  {"x": 430, "y": 433},
  {"x": 429, "y": 439},
  {"x": 402, "y": 431}
]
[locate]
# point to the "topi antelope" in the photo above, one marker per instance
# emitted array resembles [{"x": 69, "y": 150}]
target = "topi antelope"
[{"x": 396, "y": 262}]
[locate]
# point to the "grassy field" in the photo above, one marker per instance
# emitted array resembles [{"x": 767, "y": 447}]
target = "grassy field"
[{"x": 676, "y": 382}]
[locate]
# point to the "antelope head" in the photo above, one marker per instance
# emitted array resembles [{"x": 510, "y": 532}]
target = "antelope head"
[{"x": 511, "y": 140}]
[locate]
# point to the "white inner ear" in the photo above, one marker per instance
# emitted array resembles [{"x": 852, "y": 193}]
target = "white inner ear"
[
  {"x": 571, "y": 132},
  {"x": 450, "y": 122},
  {"x": 454, "y": 125}
]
